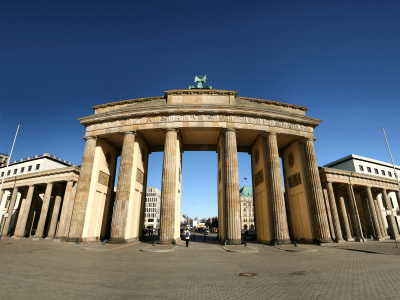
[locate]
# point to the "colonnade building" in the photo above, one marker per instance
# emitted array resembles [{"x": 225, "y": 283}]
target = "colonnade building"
[{"x": 37, "y": 197}]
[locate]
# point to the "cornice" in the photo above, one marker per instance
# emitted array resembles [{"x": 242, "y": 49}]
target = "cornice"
[
  {"x": 129, "y": 101},
  {"x": 200, "y": 92},
  {"x": 276, "y": 103}
]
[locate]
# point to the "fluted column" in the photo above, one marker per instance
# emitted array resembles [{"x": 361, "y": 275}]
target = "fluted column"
[
  {"x": 343, "y": 215},
  {"x": 82, "y": 193},
  {"x": 334, "y": 212},
  {"x": 354, "y": 212},
  {"x": 374, "y": 217},
  {"x": 64, "y": 210},
  {"x": 380, "y": 217},
  {"x": 24, "y": 213},
  {"x": 232, "y": 199},
  {"x": 168, "y": 188},
  {"x": 43, "y": 213},
  {"x": 280, "y": 226},
  {"x": 70, "y": 210},
  {"x": 316, "y": 193},
  {"x": 56, "y": 212},
  {"x": 10, "y": 211},
  {"x": 394, "y": 232},
  {"x": 397, "y": 197},
  {"x": 120, "y": 211}
]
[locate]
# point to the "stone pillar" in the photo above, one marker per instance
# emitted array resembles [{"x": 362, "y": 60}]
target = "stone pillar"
[
  {"x": 24, "y": 213},
  {"x": 374, "y": 217},
  {"x": 70, "y": 210},
  {"x": 120, "y": 211},
  {"x": 394, "y": 232},
  {"x": 56, "y": 212},
  {"x": 345, "y": 221},
  {"x": 168, "y": 187},
  {"x": 232, "y": 199},
  {"x": 1, "y": 195},
  {"x": 354, "y": 212},
  {"x": 43, "y": 213},
  {"x": 380, "y": 217},
  {"x": 334, "y": 212},
  {"x": 316, "y": 193},
  {"x": 64, "y": 210},
  {"x": 10, "y": 211},
  {"x": 397, "y": 197},
  {"x": 280, "y": 226},
  {"x": 82, "y": 193}
]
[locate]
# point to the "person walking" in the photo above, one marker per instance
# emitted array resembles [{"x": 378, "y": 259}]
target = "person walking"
[{"x": 187, "y": 237}]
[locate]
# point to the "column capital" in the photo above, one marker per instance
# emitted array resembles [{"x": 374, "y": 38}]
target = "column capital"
[
  {"x": 171, "y": 129},
  {"x": 90, "y": 137},
  {"x": 129, "y": 132},
  {"x": 229, "y": 129},
  {"x": 265, "y": 134}
]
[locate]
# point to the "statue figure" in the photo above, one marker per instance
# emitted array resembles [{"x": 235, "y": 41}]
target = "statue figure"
[{"x": 200, "y": 80}]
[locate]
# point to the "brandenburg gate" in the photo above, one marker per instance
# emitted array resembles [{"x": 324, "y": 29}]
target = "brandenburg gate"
[{"x": 201, "y": 119}]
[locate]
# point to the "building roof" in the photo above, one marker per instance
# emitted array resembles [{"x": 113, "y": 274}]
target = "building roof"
[
  {"x": 361, "y": 158},
  {"x": 44, "y": 155},
  {"x": 246, "y": 191}
]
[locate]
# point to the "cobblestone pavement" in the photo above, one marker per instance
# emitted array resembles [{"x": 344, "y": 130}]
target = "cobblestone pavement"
[{"x": 49, "y": 270}]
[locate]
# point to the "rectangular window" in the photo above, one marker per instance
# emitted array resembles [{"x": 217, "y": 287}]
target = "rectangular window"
[
  {"x": 2, "y": 174},
  {"x": 22, "y": 170},
  {"x": 383, "y": 173},
  {"x": 361, "y": 168},
  {"x": 29, "y": 168},
  {"x": 390, "y": 174},
  {"x": 376, "y": 171},
  {"x": 9, "y": 172},
  {"x": 37, "y": 166},
  {"x": 369, "y": 169},
  {"x": 15, "y": 171}
]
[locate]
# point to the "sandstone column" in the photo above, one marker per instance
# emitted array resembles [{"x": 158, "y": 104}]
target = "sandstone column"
[
  {"x": 375, "y": 222},
  {"x": 70, "y": 210},
  {"x": 56, "y": 212},
  {"x": 64, "y": 210},
  {"x": 1, "y": 195},
  {"x": 120, "y": 211},
  {"x": 280, "y": 227},
  {"x": 316, "y": 193},
  {"x": 24, "y": 213},
  {"x": 82, "y": 193},
  {"x": 43, "y": 213},
  {"x": 232, "y": 199},
  {"x": 334, "y": 212},
  {"x": 345, "y": 221},
  {"x": 380, "y": 217},
  {"x": 10, "y": 211},
  {"x": 168, "y": 187},
  {"x": 354, "y": 212},
  {"x": 397, "y": 196},
  {"x": 394, "y": 232}
]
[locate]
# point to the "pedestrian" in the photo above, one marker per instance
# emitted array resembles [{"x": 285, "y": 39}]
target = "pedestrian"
[{"x": 187, "y": 237}]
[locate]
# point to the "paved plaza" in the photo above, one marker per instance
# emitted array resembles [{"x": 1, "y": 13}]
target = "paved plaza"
[{"x": 49, "y": 270}]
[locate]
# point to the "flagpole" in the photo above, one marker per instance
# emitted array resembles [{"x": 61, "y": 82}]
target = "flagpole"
[
  {"x": 8, "y": 161},
  {"x": 394, "y": 168}
]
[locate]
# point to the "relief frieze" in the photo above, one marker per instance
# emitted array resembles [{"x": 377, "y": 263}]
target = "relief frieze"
[{"x": 196, "y": 118}]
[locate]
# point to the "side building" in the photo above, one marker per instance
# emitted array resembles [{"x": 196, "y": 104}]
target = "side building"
[
  {"x": 37, "y": 196},
  {"x": 246, "y": 208},
  {"x": 362, "y": 198},
  {"x": 152, "y": 208}
]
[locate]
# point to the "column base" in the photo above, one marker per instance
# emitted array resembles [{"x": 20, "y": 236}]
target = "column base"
[
  {"x": 349, "y": 240},
  {"x": 166, "y": 242},
  {"x": 73, "y": 240},
  {"x": 339, "y": 241},
  {"x": 379, "y": 239},
  {"x": 361, "y": 240},
  {"x": 234, "y": 242},
  {"x": 16, "y": 237}
]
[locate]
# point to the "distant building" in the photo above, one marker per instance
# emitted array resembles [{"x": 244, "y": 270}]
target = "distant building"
[
  {"x": 3, "y": 159},
  {"x": 152, "y": 208},
  {"x": 246, "y": 207}
]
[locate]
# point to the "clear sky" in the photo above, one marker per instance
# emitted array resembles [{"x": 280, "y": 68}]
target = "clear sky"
[{"x": 341, "y": 59}]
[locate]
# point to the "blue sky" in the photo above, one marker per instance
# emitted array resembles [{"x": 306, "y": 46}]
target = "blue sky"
[{"x": 338, "y": 58}]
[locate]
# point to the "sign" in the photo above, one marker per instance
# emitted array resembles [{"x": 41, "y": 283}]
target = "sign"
[
  {"x": 389, "y": 212},
  {"x": 5, "y": 215}
]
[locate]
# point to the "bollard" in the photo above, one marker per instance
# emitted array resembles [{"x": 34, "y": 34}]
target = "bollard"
[
  {"x": 155, "y": 243},
  {"x": 225, "y": 242},
  {"x": 104, "y": 242}
]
